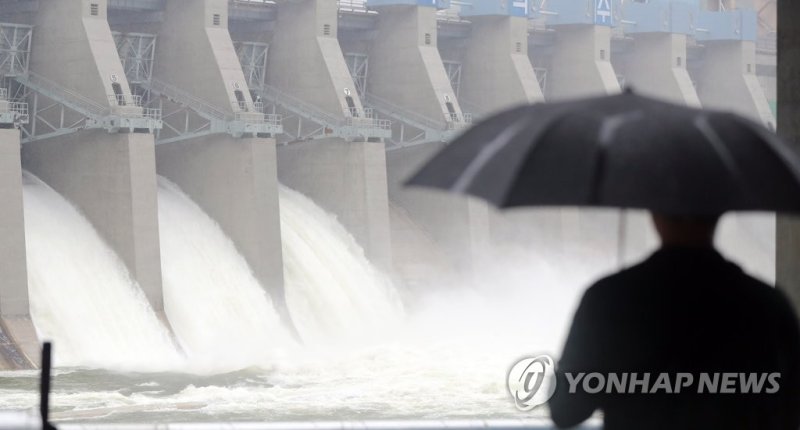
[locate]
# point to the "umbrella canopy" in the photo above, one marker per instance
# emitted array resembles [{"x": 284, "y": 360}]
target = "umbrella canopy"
[{"x": 623, "y": 151}]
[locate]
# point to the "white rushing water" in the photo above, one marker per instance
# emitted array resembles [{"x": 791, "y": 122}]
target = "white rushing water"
[
  {"x": 81, "y": 294},
  {"x": 332, "y": 291},
  {"x": 363, "y": 356},
  {"x": 218, "y": 310}
]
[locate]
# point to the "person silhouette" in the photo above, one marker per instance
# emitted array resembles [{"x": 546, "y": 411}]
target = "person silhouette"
[{"x": 684, "y": 310}]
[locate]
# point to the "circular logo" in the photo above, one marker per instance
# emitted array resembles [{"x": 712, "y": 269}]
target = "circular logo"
[{"x": 532, "y": 382}]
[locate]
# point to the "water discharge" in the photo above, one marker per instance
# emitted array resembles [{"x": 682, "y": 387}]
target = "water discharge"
[
  {"x": 218, "y": 310},
  {"x": 332, "y": 290},
  {"x": 81, "y": 295},
  {"x": 363, "y": 354}
]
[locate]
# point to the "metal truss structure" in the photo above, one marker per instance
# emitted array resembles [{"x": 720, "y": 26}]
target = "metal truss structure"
[{"x": 253, "y": 57}]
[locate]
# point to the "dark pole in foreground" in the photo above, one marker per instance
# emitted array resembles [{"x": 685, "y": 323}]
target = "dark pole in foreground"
[
  {"x": 44, "y": 387},
  {"x": 788, "y": 228}
]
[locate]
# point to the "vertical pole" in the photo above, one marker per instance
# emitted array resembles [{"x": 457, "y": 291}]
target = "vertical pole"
[
  {"x": 35, "y": 113},
  {"x": 44, "y": 387},
  {"x": 622, "y": 230},
  {"x": 788, "y": 228}
]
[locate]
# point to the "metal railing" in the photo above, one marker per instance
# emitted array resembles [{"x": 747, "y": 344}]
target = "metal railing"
[
  {"x": 370, "y": 122},
  {"x": 14, "y": 113},
  {"x": 94, "y": 114},
  {"x": 413, "y": 118},
  {"x": 353, "y": 122},
  {"x": 352, "y": 112},
  {"x": 455, "y": 121},
  {"x": 20, "y": 110},
  {"x": 300, "y": 106},
  {"x": 125, "y": 100},
  {"x": 255, "y": 114},
  {"x": 353, "y": 5},
  {"x": 134, "y": 101},
  {"x": 259, "y": 118},
  {"x": 240, "y": 106},
  {"x": 69, "y": 98},
  {"x": 453, "y": 13},
  {"x": 151, "y": 113},
  {"x": 24, "y": 420},
  {"x": 180, "y": 96},
  {"x": 240, "y": 122},
  {"x": 381, "y": 124}
]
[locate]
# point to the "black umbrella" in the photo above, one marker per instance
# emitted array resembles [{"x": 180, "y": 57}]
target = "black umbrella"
[{"x": 623, "y": 151}]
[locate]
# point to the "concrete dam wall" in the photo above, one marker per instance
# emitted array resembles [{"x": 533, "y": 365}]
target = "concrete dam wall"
[{"x": 154, "y": 129}]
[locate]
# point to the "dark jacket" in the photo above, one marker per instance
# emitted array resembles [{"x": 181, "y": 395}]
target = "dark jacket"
[{"x": 682, "y": 310}]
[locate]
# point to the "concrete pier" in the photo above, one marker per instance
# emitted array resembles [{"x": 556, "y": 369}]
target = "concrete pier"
[
  {"x": 458, "y": 224},
  {"x": 195, "y": 53},
  {"x": 234, "y": 181},
  {"x": 305, "y": 58},
  {"x": 231, "y": 179},
  {"x": 727, "y": 80},
  {"x": 581, "y": 63},
  {"x": 657, "y": 67},
  {"x": 348, "y": 179},
  {"x": 109, "y": 177},
  {"x": 19, "y": 347},
  {"x": 497, "y": 72},
  {"x": 406, "y": 67}
]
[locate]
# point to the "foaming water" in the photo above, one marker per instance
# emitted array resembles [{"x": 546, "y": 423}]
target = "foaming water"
[
  {"x": 218, "y": 310},
  {"x": 364, "y": 355},
  {"x": 448, "y": 359},
  {"x": 332, "y": 290},
  {"x": 81, "y": 295}
]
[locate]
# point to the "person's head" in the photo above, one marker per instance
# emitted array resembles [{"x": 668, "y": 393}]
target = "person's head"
[{"x": 686, "y": 230}]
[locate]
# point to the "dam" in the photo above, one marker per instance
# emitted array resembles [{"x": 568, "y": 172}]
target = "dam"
[{"x": 214, "y": 185}]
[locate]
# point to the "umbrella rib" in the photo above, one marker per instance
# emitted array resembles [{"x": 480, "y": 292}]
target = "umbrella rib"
[
  {"x": 606, "y": 135},
  {"x": 715, "y": 142},
  {"x": 486, "y": 154},
  {"x": 610, "y": 126}
]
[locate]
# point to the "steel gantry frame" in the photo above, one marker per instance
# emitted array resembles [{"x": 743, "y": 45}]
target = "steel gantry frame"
[
  {"x": 541, "y": 77},
  {"x": 15, "y": 48},
  {"x": 137, "y": 53},
  {"x": 324, "y": 124},
  {"x": 414, "y": 128},
  {"x": 453, "y": 69},
  {"x": 358, "y": 64},
  {"x": 55, "y": 110},
  {"x": 253, "y": 57},
  {"x": 308, "y": 121},
  {"x": 184, "y": 115},
  {"x": 13, "y": 114}
]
